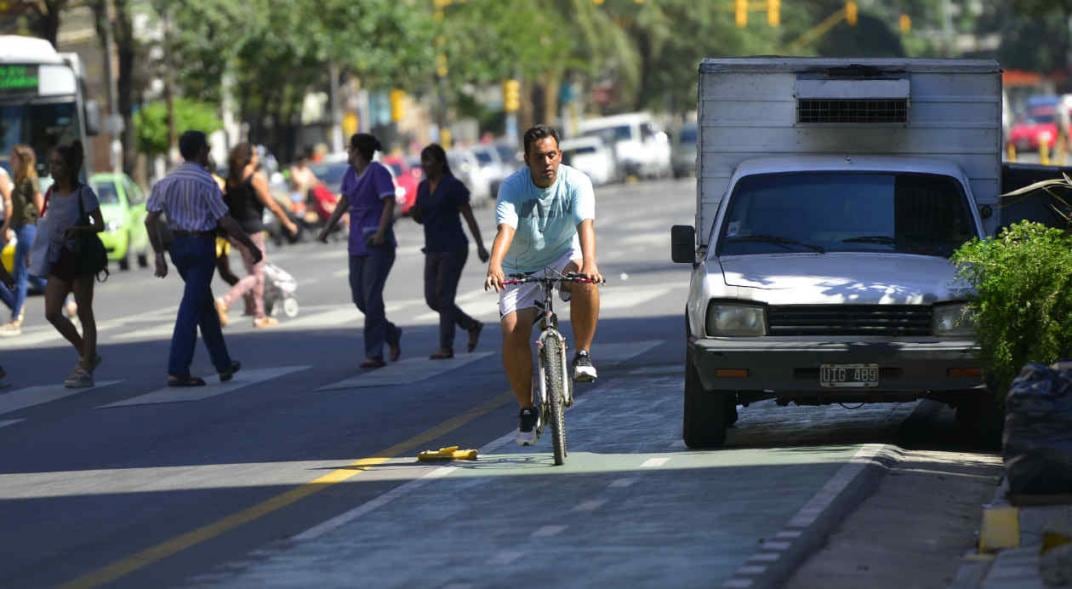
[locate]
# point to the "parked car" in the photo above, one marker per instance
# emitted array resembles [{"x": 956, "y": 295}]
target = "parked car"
[
  {"x": 683, "y": 151},
  {"x": 466, "y": 167},
  {"x": 123, "y": 208},
  {"x": 639, "y": 143},
  {"x": 406, "y": 180},
  {"x": 1037, "y": 127},
  {"x": 591, "y": 156},
  {"x": 497, "y": 161}
]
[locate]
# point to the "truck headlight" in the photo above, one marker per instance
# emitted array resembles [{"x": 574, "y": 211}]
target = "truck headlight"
[
  {"x": 954, "y": 320},
  {"x": 735, "y": 320}
]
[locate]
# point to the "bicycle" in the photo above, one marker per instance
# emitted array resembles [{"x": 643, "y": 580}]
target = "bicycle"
[{"x": 553, "y": 390}]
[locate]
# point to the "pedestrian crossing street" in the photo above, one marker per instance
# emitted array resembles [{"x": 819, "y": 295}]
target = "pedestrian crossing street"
[
  {"x": 618, "y": 299},
  {"x": 406, "y": 372}
]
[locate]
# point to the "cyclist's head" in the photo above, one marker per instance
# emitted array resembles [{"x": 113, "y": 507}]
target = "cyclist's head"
[
  {"x": 364, "y": 146},
  {"x": 434, "y": 161},
  {"x": 542, "y": 155}
]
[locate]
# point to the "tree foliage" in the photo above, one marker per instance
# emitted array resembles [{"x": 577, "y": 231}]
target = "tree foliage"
[
  {"x": 150, "y": 123},
  {"x": 1023, "y": 297}
]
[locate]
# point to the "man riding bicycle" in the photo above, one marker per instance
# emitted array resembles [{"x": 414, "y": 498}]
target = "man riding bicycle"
[{"x": 545, "y": 215}]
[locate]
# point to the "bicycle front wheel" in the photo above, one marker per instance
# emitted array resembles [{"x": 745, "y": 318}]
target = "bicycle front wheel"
[{"x": 554, "y": 373}]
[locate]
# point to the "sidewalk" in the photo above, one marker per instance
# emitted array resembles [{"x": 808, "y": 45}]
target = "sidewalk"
[{"x": 1011, "y": 545}]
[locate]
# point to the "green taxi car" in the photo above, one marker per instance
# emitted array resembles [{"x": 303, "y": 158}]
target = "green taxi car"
[{"x": 123, "y": 208}]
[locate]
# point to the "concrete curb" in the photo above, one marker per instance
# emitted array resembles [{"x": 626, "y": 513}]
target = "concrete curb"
[{"x": 807, "y": 531}]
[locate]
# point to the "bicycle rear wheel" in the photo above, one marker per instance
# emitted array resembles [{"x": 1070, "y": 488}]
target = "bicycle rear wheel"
[{"x": 554, "y": 373}]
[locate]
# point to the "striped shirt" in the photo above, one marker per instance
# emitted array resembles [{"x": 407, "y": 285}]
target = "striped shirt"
[{"x": 190, "y": 198}]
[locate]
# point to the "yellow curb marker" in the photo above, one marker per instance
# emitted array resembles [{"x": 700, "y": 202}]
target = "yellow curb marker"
[
  {"x": 1000, "y": 529},
  {"x": 130, "y": 564}
]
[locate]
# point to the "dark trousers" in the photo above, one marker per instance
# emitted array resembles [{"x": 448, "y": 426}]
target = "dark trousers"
[
  {"x": 195, "y": 259},
  {"x": 368, "y": 276},
  {"x": 442, "y": 272}
]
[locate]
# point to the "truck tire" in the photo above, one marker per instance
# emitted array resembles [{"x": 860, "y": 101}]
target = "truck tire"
[
  {"x": 982, "y": 417},
  {"x": 704, "y": 416}
]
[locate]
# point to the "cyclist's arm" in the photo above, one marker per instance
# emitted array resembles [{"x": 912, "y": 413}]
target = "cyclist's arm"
[
  {"x": 586, "y": 232},
  {"x": 499, "y": 247}
]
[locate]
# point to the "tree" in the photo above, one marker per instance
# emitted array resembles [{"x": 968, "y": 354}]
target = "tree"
[
  {"x": 118, "y": 24},
  {"x": 44, "y": 16},
  {"x": 150, "y": 123}
]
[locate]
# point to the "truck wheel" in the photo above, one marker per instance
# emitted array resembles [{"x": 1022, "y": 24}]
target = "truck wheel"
[
  {"x": 705, "y": 418},
  {"x": 982, "y": 417},
  {"x": 731, "y": 410}
]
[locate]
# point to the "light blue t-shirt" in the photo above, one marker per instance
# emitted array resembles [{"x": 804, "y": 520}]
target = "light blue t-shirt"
[{"x": 545, "y": 219}]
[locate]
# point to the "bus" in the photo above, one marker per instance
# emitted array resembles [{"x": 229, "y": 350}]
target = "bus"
[{"x": 42, "y": 101}]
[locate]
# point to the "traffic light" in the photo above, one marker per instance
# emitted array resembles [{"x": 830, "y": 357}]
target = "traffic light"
[
  {"x": 398, "y": 110},
  {"x": 740, "y": 13},
  {"x": 774, "y": 12},
  {"x": 906, "y": 23},
  {"x": 852, "y": 12},
  {"x": 511, "y": 95}
]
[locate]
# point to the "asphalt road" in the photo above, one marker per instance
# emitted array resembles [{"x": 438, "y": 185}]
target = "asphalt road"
[{"x": 301, "y": 471}]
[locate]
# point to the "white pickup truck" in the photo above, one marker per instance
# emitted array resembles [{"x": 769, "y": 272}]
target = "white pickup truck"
[{"x": 830, "y": 195}]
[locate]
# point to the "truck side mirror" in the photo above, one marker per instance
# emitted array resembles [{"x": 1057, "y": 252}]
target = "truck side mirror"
[{"x": 683, "y": 244}]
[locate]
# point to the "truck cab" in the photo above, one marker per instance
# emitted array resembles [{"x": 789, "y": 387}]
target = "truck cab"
[{"x": 831, "y": 195}]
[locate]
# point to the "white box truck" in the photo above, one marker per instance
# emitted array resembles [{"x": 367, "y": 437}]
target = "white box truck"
[{"x": 830, "y": 196}]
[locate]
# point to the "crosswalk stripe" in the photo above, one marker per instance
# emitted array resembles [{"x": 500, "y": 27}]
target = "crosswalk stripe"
[
  {"x": 214, "y": 387},
  {"x": 621, "y": 352},
  {"x": 38, "y": 395},
  {"x": 629, "y": 297},
  {"x": 407, "y": 371},
  {"x": 6, "y": 422}
]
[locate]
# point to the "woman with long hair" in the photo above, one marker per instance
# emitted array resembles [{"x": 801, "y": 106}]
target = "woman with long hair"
[
  {"x": 368, "y": 193},
  {"x": 442, "y": 202},
  {"x": 22, "y": 206},
  {"x": 247, "y": 196},
  {"x": 68, "y": 206}
]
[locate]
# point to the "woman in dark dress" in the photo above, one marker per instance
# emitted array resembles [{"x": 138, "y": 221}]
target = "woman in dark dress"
[{"x": 442, "y": 201}]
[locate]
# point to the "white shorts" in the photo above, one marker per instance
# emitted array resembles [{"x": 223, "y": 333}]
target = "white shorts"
[{"x": 525, "y": 296}]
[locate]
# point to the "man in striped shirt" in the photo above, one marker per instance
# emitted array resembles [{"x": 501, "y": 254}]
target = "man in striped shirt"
[{"x": 193, "y": 204}]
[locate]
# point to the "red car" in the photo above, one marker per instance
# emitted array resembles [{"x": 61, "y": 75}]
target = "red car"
[
  {"x": 406, "y": 180},
  {"x": 1039, "y": 126}
]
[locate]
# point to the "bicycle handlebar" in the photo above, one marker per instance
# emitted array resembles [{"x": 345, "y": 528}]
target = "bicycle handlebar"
[{"x": 523, "y": 279}]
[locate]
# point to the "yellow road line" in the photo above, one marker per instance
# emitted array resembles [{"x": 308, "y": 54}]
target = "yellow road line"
[{"x": 130, "y": 564}]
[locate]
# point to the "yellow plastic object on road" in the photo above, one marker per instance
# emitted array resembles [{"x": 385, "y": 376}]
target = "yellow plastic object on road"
[{"x": 448, "y": 453}]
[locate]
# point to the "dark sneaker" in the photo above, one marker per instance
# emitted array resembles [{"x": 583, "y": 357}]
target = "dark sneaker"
[
  {"x": 583, "y": 371},
  {"x": 528, "y": 421}
]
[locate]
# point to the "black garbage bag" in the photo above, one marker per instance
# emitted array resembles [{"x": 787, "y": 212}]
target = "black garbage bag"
[{"x": 1038, "y": 430}]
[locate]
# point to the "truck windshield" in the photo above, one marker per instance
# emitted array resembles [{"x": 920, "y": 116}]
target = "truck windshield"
[
  {"x": 820, "y": 212},
  {"x": 42, "y": 126}
]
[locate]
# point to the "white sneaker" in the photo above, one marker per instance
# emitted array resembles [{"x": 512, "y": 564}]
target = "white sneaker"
[
  {"x": 11, "y": 329},
  {"x": 528, "y": 426},
  {"x": 583, "y": 370}
]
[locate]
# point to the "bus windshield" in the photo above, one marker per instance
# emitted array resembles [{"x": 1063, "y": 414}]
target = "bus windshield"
[{"x": 41, "y": 125}]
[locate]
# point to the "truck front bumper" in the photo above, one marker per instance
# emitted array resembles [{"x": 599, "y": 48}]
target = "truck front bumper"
[{"x": 788, "y": 366}]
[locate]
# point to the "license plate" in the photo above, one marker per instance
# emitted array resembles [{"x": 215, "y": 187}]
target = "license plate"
[{"x": 848, "y": 375}]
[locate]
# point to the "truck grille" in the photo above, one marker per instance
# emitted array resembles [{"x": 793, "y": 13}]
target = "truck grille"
[
  {"x": 865, "y": 110},
  {"x": 887, "y": 320}
]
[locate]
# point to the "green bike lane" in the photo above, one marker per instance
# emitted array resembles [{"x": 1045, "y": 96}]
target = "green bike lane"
[{"x": 631, "y": 506}]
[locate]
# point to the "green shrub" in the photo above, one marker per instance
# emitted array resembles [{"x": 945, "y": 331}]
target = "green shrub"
[
  {"x": 1023, "y": 297},
  {"x": 150, "y": 123}
]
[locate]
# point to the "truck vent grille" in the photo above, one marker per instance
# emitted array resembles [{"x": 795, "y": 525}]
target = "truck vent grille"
[
  {"x": 887, "y": 320},
  {"x": 866, "y": 110}
]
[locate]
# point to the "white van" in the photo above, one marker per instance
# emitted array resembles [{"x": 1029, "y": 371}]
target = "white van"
[
  {"x": 640, "y": 144},
  {"x": 591, "y": 156}
]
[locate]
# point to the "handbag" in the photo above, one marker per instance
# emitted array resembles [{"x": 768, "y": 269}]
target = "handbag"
[{"x": 90, "y": 255}]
